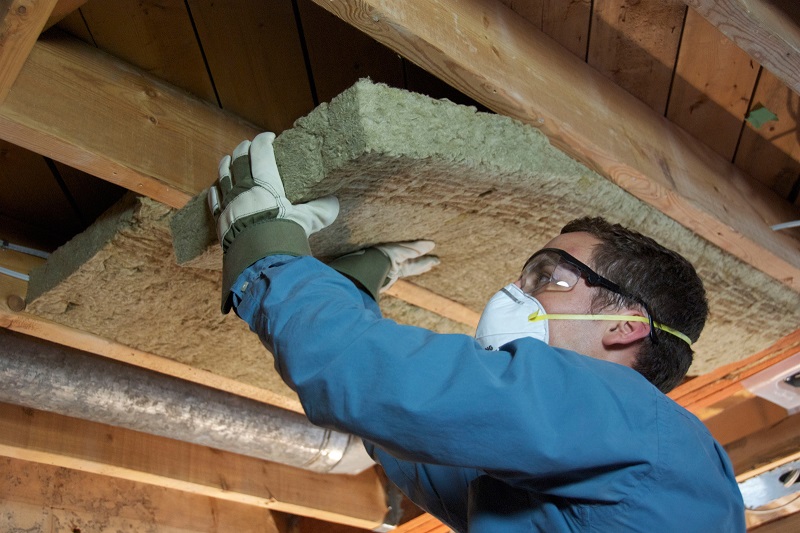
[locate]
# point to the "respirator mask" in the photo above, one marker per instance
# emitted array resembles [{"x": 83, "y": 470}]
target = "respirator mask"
[{"x": 507, "y": 317}]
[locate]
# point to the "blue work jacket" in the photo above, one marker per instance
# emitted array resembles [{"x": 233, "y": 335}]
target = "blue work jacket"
[{"x": 530, "y": 438}]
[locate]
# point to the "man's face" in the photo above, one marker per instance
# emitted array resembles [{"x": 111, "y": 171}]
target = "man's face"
[{"x": 584, "y": 337}]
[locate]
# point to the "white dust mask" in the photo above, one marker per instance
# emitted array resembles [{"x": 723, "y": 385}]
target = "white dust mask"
[{"x": 506, "y": 318}]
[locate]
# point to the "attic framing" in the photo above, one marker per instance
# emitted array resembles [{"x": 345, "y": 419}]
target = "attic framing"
[{"x": 687, "y": 183}]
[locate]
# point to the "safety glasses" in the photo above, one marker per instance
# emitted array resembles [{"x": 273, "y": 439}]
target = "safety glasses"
[{"x": 555, "y": 270}]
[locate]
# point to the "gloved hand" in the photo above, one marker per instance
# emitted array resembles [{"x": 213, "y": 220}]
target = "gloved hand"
[
  {"x": 379, "y": 267},
  {"x": 254, "y": 218},
  {"x": 408, "y": 259}
]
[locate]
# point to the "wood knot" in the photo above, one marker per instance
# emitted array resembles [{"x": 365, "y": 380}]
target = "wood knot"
[{"x": 15, "y": 303}]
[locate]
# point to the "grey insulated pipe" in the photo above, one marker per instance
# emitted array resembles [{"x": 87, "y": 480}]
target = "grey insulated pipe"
[{"x": 46, "y": 376}]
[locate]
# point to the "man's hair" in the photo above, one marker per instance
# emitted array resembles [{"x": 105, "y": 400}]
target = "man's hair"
[{"x": 663, "y": 279}]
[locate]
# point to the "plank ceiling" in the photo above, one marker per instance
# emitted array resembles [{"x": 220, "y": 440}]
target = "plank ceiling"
[{"x": 272, "y": 61}]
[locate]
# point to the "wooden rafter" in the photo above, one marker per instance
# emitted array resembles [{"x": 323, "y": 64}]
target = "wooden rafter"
[
  {"x": 723, "y": 386},
  {"x": 768, "y": 30},
  {"x": 21, "y": 22},
  {"x": 82, "y": 107},
  {"x": 494, "y": 55},
  {"x": 42, "y": 437}
]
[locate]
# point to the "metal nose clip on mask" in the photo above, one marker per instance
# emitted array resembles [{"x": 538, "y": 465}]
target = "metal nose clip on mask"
[{"x": 506, "y": 318}]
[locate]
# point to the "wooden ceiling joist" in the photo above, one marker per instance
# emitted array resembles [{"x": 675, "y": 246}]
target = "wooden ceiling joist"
[
  {"x": 42, "y": 437},
  {"x": 21, "y": 22},
  {"x": 495, "y": 56},
  {"x": 80, "y": 106},
  {"x": 768, "y": 30},
  {"x": 723, "y": 386}
]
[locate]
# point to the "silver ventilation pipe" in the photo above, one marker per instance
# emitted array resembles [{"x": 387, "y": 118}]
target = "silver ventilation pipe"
[{"x": 42, "y": 375}]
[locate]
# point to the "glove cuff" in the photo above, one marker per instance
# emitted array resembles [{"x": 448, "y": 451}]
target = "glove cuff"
[
  {"x": 271, "y": 237},
  {"x": 367, "y": 267}
]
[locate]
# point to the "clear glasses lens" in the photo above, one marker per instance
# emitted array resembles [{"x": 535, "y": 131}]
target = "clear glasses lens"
[{"x": 548, "y": 270}]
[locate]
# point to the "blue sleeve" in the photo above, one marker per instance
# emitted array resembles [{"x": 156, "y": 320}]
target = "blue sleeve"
[
  {"x": 523, "y": 415},
  {"x": 442, "y": 491}
]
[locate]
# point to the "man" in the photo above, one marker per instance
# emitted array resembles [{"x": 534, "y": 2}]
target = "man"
[{"x": 539, "y": 424}]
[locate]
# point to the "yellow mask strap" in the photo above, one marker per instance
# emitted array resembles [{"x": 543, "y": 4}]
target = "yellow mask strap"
[{"x": 536, "y": 317}]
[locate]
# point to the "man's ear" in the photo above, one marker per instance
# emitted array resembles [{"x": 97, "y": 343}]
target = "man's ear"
[{"x": 625, "y": 332}]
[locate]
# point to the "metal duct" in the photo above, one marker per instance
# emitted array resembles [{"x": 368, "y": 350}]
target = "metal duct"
[{"x": 50, "y": 377}]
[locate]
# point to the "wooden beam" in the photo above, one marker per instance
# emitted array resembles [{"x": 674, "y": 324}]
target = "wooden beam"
[
  {"x": 768, "y": 30},
  {"x": 41, "y": 437},
  {"x": 495, "y": 56},
  {"x": 81, "y": 107},
  {"x": 423, "y": 524},
  {"x": 702, "y": 395},
  {"x": 744, "y": 418},
  {"x": 772, "y": 444},
  {"x": 426, "y": 299},
  {"x": 61, "y": 10},
  {"x": 36, "y": 497},
  {"x": 21, "y": 22}
]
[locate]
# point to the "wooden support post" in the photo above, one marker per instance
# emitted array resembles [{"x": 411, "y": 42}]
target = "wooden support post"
[
  {"x": 21, "y": 22},
  {"x": 41, "y": 437},
  {"x": 495, "y": 56}
]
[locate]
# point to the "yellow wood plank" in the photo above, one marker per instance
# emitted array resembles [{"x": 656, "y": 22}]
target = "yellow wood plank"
[
  {"x": 743, "y": 419},
  {"x": 530, "y": 10},
  {"x": 421, "y": 297},
  {"x": 62, "y": 9},
  {"x": 258, "y": 69},
  {"x": 21, "y": 22},
  {"x": 493, "y": 55},
  {"x": 41, "y": 437},
  {"x": 715, "y": 388},
  {"x": 714, "y": 80},
  {"x": 83, "y": 108},
  {"x": 771, "y": 153},
  {"x": 341, "y": 55},
  {"x": 768, "y": 30},
  {"x": 568, "y": 24},
  {"x": 635, "y": 43},
  {"x": 155, "y": 36},
  {"x": 423, "y": 524},
  {"x": 47, "y": 496},
  {"x": 765, "y": 446}
]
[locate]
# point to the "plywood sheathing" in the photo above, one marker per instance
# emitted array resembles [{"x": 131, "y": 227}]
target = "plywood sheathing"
[
  {"x": 490, "y": 191},
  {"x": 119, "y": 280},
  {"x": 487, "y": 189}
]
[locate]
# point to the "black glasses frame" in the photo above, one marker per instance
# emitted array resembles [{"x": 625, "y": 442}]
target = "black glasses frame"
[{"x": 593, "y": 279}]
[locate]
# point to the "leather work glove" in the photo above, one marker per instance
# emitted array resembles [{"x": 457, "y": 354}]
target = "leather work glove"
[
  {"x": 379, "y": 267},
  {"x": 254, "y": 218}
]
